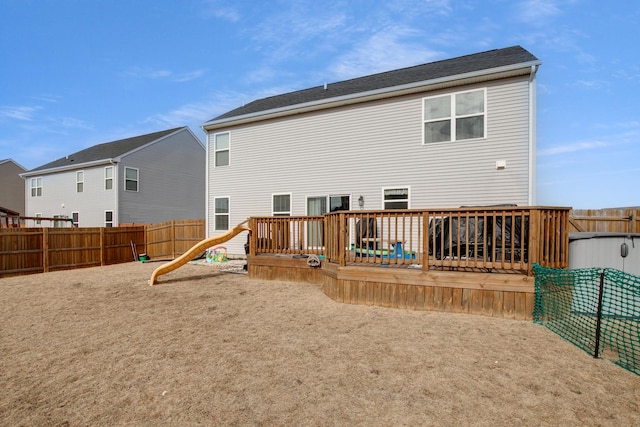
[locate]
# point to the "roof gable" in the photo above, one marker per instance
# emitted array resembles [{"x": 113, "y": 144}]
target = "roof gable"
[
  {"x": 419, "y": 73},
  {"x": 105, "y": 151}
]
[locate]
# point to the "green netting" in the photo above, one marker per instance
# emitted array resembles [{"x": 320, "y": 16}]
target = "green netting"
[{"x": 598, "y": 310}]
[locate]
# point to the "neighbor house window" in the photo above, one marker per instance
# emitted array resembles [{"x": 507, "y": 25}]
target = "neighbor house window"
[
  {"x": 281, "y": 205},
  {"x": 455, "y": 117},
  {"x": 75, "y": 216},
  {"x": 59, "y": 224},
  {"x": 79, "y": 182},
  {"x": 36, "y": 187},
  {"x": 131, "y": 179},
  {"x": 108, "y": 178},
  {"x": 396, "y": 198},
  {"x": 221, "y": 149},
  {"x": 38, "y": 222},
  {"x": 108, "y": 218},
  {"x": 221, "y": 213}
]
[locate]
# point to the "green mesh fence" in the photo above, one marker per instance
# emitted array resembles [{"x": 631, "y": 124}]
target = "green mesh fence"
[{"x": 598, "y": 310}]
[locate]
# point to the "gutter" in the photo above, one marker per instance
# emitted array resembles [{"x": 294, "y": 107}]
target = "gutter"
[
  {"x": 458, "y": 79},
  {"x": 67, "y": 168}
]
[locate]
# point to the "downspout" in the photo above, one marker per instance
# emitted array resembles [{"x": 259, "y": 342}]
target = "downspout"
[
  {"x": 532, "y": 135},
  {"x": 116, "y": 218},
  {"x": 206, "y": 185}
]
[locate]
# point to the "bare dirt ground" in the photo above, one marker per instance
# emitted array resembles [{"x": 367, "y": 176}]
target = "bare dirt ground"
[{"x": 100, "y": 347}]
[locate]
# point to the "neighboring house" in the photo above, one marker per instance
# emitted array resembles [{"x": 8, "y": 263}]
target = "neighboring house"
[
  {"x": 443, "y": 134},
  {"x": 12, "y": 186},
  {"x": 145, "y": 179}
]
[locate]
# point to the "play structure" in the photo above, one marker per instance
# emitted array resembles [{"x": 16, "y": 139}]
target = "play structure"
[{"x": 196, "y": 250}]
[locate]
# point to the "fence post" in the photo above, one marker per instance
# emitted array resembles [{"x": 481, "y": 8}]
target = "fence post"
[
  {"x": 102, "y": 251},
  {"x": 599, "y": 315},
  {"x": 45, "y": 249},
  {"x": 425, "y": 241},
  {"x": 173, "y": 238}
]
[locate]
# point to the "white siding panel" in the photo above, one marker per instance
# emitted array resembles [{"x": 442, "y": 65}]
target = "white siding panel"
[{"x": 361, "y": 149}]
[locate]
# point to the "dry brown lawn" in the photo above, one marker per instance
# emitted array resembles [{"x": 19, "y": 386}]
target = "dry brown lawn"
[{"x": 99, "y": 347}]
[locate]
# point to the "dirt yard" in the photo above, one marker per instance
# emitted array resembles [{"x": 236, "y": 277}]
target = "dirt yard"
[{"x": 100, "y": 347}]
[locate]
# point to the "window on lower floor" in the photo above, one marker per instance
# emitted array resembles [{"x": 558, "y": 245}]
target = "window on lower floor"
[
  {"x": 396, "y": 198},
  {"x": 38, "y": 222},
  {"x": 281, "y": 205},
  {"x": 79, "y": 181},
  {"x": 61, "y": 223},
  {"x": 36, "y": 187},
  {"x": 108, "y": 218},
  {"x": 339, "y": 203},
  {"x": 454, "y": 117},
  {"x": 221, "y": 213},
  {"x": 75, "y": 216},
  {"x": 131, "y": 179}
]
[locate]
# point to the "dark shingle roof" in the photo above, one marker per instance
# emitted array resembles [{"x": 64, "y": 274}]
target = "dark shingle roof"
[
  {"x": 108, "y": 150},
  {"x": 433, "y": 70}
]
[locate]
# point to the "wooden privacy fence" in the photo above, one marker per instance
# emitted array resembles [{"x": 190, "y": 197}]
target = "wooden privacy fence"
[
  {"x": 173, "y": 238},
  {"x": 605, "y": 220},
  {"x": 38, "y": 250}
]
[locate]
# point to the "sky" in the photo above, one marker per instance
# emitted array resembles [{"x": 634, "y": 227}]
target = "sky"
[{"x": 75, "y": 73}]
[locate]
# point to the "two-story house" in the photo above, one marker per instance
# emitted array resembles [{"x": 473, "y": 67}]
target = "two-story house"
[
  {"x": 140, "y": 180},
  {"x": 12, "y": 186},
  {"x": 443, "y": 134}
]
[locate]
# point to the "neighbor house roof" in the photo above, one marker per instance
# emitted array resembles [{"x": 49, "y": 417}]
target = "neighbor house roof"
[
  {"x": 489, "y": 61},
  {"x": 3, "y": 161},
  {"x": 103, "y": 152}
]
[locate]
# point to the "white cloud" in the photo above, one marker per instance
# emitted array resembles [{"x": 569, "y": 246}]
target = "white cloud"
[
  {"x": 537, "y": 12},
  {"x": 384, "y": 50},
  {"x": 19, "y": 113},
  {"x": 572, "y": 148},
  {"x": 161, "y": 74}
]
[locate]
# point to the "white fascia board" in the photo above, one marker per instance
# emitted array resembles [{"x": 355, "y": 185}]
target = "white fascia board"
[
  {"x": 69, "y": 167},
  {"x": 491, "y": 73}
]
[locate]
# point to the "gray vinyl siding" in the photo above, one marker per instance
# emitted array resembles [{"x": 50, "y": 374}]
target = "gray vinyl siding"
[
  {"x": 59, "y": 196},
  {"x": 12, "y": 188},
  {"x": 361, "y": 149},
  {"x": 171, "y": 181}
]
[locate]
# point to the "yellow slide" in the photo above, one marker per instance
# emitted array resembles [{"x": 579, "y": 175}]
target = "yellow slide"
[{"x": 197, "y": 249}]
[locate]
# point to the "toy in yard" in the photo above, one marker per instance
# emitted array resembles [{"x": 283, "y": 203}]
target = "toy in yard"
[
  {"x": 216, "y": 254},
  {"x": 196, "y": 250}
]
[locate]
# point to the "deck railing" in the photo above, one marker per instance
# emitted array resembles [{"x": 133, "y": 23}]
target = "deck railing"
[{"x": 504, "y": 239}]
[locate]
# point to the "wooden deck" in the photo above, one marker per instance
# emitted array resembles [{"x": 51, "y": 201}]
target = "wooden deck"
[
  {"x": 502, "y": 295},
  {"x": 471, "y": 260}
]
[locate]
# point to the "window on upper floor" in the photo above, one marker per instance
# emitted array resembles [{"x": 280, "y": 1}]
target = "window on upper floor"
[
  {"x": 281, "y": 205},
  {"x": 454, "y": 117},
  {"x": 221, "y": 213},
  {"x": 396, "y": 198},
  {"x": 79, "y": 181},
  {"x": 108, "y": 218},
  {"x": 108, "y": 178},
  {"x": 36, "y": 187},
  {"x": 221, "y": 149},
  {"x": 131, "y": 179}
]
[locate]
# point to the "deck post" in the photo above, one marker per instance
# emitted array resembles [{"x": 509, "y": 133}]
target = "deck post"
[{"x": 425, "y": 241}]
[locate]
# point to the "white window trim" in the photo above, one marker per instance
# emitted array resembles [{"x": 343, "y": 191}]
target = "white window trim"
[
  {"x": 127, "y": 179},
  {"x": 453, "y": 117},
  {"x": 283, "y": 213},
  {"x": 228, "y": 214},
  {"x": 112, "y": 218},
  {"x": 215, "y": 149},
  {"x": 79, "y": 181},
  {"x": 396, "y": 187},
  {"x": 36, "y": 186},
  {"x": 108, "y": 179}
]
